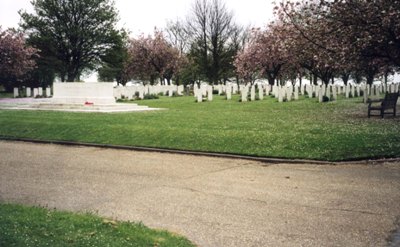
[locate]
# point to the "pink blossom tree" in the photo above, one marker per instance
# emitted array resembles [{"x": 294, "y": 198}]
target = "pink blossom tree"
[
  {"x": 151, "y": 57},
  {"x": 16, "y": 58}
]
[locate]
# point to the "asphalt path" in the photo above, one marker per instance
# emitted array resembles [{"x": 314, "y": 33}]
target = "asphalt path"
[{"x": 212, "y": 201}]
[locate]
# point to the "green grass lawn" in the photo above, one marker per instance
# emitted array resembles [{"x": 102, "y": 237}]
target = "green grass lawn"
[
  {"x": 31, "y": 226},
  {"x": 299, "y": 129}
]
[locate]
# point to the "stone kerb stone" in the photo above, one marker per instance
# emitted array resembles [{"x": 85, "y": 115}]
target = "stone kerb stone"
[{"x": 79, "y": 93}]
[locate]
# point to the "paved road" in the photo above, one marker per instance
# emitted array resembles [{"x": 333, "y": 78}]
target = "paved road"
[{"x": 212, "y": 201}]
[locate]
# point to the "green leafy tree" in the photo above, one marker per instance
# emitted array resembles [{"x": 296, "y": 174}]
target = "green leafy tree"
[
  {"x": 113, "y": 62},
  {"x": 74, "y": 35}
]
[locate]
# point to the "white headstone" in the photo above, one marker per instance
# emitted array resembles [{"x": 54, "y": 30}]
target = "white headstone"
[
  {"x": 228, "y": 91},
  {"x": 296, "y": 92},
  {"x": 334, "y": 92},
  {"x": 244, "y": 94},
  {"x": 48, "y": 91},
  {"x": 141, "y": 92},
  {"x": 35, "y": 92},
  {"x": 320, "y": 94},
  {"x": 16, "y": 92},
  {"x": 28, "y": 92},
  {"x": 281, "y": 92},
  {"x": 253, "y": 93},
  {"x": 261, "y": 93},
  {"x": 40, "y": 92},
  {"x": 210, "y": 93},
  {"x": 289, "y": 92}
]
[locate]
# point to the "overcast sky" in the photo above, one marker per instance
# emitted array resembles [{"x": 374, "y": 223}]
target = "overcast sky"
[{"x": 143, "y": 16}]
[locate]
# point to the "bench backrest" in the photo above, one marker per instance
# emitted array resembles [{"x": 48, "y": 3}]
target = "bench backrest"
[{"x": 390, "y": 100}]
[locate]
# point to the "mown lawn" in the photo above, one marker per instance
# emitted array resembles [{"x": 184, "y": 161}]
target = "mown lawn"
[
  {"x": 32, "y": 226},
  {"x": 302, "y": 129}
]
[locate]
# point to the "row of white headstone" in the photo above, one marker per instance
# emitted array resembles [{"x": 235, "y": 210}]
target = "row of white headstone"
[
  {"x": 288, "y": 93},
  {"x": 32, "y": 92},
  {"x": 131, "y": 92}
]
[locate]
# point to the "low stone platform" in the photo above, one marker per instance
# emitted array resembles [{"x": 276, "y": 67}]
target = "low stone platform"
[{"x": 50, "y": 105}]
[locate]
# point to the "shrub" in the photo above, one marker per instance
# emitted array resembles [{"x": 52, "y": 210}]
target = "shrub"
[{"x": 151, "y": 96}]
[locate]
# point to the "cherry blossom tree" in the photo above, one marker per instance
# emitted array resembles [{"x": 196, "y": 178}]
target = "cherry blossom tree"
[
  {"x": 339, "y": 37},
  {"x": 151, "y": 57},
  {"x": 16, "y": 58}
]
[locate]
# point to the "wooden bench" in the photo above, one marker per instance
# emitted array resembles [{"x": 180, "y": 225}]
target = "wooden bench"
[{"x": 388, "y": 103}]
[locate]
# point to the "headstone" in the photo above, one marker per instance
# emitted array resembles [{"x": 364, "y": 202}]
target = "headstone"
[
  {"x": 268, "y": 90},
  {"x": 199, "y": 96},
  {"x": 16, "y": 92},
  {"x": 358, "y": 91},
  {"x": 180, "y": 90},
  {"x": 353, "y": 91},
  {"x": 235, "y": 88},
  {"x": 253, "y": 93},
  {"x": 281, "y": 92},
  {"x": 195, "y": 90},
  {"x": 365, "y": 90},
  {"x": 334, "y": 92},
  {"x": 141, "y": 92},
  {"x": 289, "y": 92},
  {"x": 28, "y": 92},
  {"x": 393, "y": 88},
  {"x": 40, "y": 92},
  {"x": 320, "y": 95},
  {"x": 323, "y": 87},
  {"x": 203, "y": 88},
  {"x": 210, "y": 93},
  {"x": 296, "y": 92},
  {"x": 219, "y": 87},
  {"x": 244, "y": 94},
  {"x": 228, "y": 91},
  {"x": 35, "y": 92},
  {"x": 260, "y": 93},
  {"x": 48, "y": 92},
  {"x": 347, "y": 91}
]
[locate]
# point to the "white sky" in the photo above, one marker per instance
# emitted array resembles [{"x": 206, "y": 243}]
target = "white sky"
[{"x": 143, "y": 16}]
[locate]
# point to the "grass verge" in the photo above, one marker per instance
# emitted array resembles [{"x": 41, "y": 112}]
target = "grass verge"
[
  {"x": 302, "y": 129},
  {"x": 32, "y": 226}
]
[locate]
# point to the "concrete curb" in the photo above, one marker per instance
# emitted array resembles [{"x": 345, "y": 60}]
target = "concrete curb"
[{"x": 207, "y": 154}]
